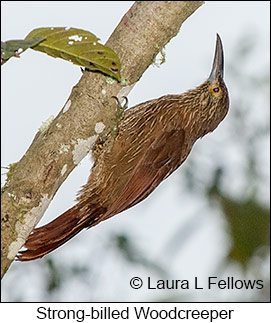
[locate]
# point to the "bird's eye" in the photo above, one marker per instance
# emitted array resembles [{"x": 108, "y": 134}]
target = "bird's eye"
[{"x": 215, "y": 90}]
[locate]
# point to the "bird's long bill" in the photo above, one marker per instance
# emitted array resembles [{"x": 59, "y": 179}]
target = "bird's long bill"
[{"x": 218, "y": 63}]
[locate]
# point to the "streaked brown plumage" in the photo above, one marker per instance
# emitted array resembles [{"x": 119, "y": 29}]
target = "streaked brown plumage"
[{"x": 154, "y": 139}]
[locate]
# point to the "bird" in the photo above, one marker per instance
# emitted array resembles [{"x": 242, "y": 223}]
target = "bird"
[{"x": 153, "y": 139}]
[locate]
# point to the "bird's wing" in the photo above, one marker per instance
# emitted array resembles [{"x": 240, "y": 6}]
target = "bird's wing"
[{"x": 160, "y": 159}]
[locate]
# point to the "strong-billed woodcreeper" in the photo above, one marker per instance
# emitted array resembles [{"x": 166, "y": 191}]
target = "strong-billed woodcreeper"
[{"x": 154, "y": 138}]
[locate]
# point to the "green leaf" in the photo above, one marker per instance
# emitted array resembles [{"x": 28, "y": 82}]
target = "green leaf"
[
  {"x": 15, "y": 47},
  {"x": 79, "y": 47}
]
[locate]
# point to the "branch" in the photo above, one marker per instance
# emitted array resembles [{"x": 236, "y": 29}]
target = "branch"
[{"x": 63, "y": 142}]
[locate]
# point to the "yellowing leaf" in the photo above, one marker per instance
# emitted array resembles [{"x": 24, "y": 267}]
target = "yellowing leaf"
[{"x": 79, "y": 47}]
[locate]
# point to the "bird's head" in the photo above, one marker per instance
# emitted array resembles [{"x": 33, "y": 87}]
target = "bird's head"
[
  {"x": 215, "y": 82},
  {"x": 210, "y": 99}
]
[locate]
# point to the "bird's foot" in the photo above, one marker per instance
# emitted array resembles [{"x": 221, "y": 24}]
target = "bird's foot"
[
  {"x": 112, "y": 133},
  {"x": 120, "y": 109},
  {"x": 119, "y": 114}
]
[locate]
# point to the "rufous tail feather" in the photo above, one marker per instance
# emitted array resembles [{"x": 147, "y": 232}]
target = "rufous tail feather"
[{"x": 52, "y": 235}]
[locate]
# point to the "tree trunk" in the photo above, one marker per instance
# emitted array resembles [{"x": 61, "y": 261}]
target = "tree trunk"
[{"x": 63, "y": 142}]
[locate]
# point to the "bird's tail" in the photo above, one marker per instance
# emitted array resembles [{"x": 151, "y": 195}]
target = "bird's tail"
[{"x": 52, "y": 235}]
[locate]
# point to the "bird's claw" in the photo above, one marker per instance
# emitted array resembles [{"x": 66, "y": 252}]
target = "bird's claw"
[
  {"x": 113, "y": 132},
  {"x": 120, "y": 108}
]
